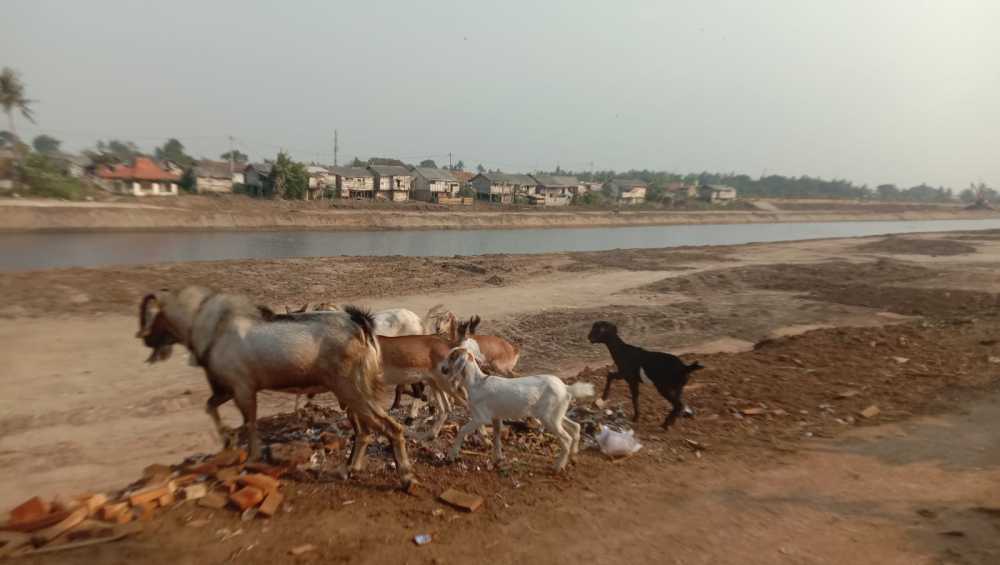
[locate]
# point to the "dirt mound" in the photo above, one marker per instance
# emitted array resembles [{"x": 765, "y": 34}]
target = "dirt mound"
[
  {"x": 880, "y": 285},
  {"x": 910, "y": 246},
  {"x": 644, "y": 259}
]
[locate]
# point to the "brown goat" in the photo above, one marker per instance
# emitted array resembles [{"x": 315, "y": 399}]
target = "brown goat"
[{"x": 499, "y": 355}]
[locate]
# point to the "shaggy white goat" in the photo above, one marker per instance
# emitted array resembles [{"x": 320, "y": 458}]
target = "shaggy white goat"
[{"x": 493, "y": 399}]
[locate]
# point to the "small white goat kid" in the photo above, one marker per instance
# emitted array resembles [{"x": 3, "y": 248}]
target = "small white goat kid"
[{"x": 493, "y": 399}]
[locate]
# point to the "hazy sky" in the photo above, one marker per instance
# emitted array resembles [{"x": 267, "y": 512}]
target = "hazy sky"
[{"x": 872, "y": 91}]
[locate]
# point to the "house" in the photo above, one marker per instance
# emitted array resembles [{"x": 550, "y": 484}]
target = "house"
[
  {"x": 254, "y": 176},
  {"x": 213, "y": 176},
  {"x": 501, "y": 187},
  {"x": 354, "y": 182},
  {"x": 463, "y": 178},
  {"x": 142, "y": 177},
  {"x": 430, "y": 184},
  {"x": 629, "y": 191},
  {"x": 70, "y": 164},
  {"x": 239, "y": 175},
  {"x": 717, "y": 193},
  {"x": 392, "y": 182},
  {"x": 589, "y": 186},
  {"x": 681, "y": 190},
  {"x": 321, "y": 180},
  {"x": 554, "y": 190}
]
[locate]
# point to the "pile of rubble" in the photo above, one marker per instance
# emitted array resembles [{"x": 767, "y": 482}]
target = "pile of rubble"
[{"x": 223, "y": 480}]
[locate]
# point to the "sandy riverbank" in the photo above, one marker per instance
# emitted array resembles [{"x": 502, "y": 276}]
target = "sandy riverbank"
[
  {"x": 808, "y": 480},
  {"x": 201, "y": 213}
]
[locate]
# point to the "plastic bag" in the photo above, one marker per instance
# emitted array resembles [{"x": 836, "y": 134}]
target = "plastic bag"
[{"x": 617, "y": 444}]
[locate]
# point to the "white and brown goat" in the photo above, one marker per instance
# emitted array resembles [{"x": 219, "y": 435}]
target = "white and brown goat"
[{"x": 244, "y": 348}]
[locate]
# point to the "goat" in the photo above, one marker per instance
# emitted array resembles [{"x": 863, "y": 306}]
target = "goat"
[
  {"x": 634, "y": 364},
  {"x": 493, "y": 399},
  {"x": 244, "y": 349},
  {"x": 414, "y": 359},
  {"x": 388, "y": 323},
  {"x": 494, "y": 352}
]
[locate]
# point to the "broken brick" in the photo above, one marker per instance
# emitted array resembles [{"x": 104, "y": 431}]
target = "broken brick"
[
  {"x": 66, "y": 524},
  {"x": 212, "y": 500},
  {"x": 30, "y": 510},
  {"x": 166, "y": 500},
  {"x": 194, "y": 492},
  {"x": 40, "y": 523},
  {"x": 144, "y": 512},
  {"x": 94, "y": 503},
  {"x": 151, "y": 494},
  {"x": 227, "y": 474},
  {"x": 247, "y": 497},
  {"x": 110, "y": 512},
  {"x": 262, "y": 482},
  {"x": 203, "y": 469},
  {"x": 271, "y": 504},
  {"x": 229, "y": 457},
  {"x": 462, "y": 500}
]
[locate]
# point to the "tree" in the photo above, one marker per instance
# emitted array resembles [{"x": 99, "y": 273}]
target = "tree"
[
  {"x": 358, "y": 163},
  {"x": 189, "y": 181},
  {"x": 887, "y": 191},
  {"x": 46, "y": 144},
  {"x": 173, "y": 150},
  {"x": 288, "y": 180},
  {"x": 237, "y": 156},
  {"x": 12, "y": 97},
  {"x": 428, "y": 163},
  {"x": 480, "y": 168},
  {"x": 459, "y": 166},
  {"x": 113, "y": 151}
]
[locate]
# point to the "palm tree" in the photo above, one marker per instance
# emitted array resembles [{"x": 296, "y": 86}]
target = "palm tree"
[{"x": 12, "y": 97}]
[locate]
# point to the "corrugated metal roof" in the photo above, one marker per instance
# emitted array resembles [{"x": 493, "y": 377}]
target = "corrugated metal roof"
[
  {"x": 557, "y": 181},
  {"x": 390, "y": 170},
  {"x": 509, "y": 178},
  {"x": 432, "y": 174},
  {"x": 351, "y": 172}
]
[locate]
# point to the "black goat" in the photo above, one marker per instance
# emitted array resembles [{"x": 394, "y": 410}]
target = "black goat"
[{"x": 634, "y": 364}]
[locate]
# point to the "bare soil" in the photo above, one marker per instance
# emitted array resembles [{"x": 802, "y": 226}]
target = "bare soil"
[
  {"x": 908, "y": 246},
  {"x": 777, "y": 466}
]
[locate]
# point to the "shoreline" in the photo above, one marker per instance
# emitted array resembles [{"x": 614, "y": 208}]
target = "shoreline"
[{"x": 142, "y": 218}]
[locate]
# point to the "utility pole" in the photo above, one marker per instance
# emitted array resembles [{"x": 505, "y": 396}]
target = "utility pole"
[
  {"x": 231, "y": 166},
  {"x": 450, "y": 166},
  {"x": 336, "y": 147}
]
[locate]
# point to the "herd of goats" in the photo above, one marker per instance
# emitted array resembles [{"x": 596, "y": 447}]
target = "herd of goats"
[{"x": 245, "y": 348}]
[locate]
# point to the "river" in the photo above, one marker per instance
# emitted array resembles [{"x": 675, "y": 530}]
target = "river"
[{"x": 30, "y": 251}]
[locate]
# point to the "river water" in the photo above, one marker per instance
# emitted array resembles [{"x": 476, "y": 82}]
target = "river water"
[{"x": 29, "y": 251}]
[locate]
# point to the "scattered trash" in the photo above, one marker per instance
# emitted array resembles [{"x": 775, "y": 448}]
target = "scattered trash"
[
  {"x": 849, "y": 393},
  {"x": 300, "y": 549},
  {"x": 422, "y": 539},
  {"x": 900, "y": 360},
  {"x": 225, "y": 534},
  {"x": 755, "y": 411},
  {"x": 462, "y": 500},
  {"x": 617, "y": 444},
  {"x": 993, "y": 359}
]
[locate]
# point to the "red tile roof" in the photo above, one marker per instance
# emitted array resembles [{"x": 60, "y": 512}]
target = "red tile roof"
[
  {"x": 462, "y": 176},
  {"x": 143, "y": 168}
]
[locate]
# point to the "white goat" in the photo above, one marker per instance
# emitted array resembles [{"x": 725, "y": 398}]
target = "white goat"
[{"x": 493, "y": 399}]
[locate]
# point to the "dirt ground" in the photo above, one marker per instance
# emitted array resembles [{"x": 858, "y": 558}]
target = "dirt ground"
[{"x": 777, "y": 466}]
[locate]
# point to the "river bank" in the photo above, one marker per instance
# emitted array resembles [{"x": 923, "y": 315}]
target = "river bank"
[
  {"x": 797, "y": 338},
  {"x": 233, "y": 214}
]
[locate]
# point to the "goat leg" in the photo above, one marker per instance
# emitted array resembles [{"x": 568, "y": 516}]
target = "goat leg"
[
  {"x": 607, "y": 385},
  {"x": 246, "y": 401},
  {"x": 676, "y": 408},
  {"x": 465, "y": 430},
  {"x": 218, "y": 398},
  {"x": 633, "y": 388},
  {"x": 399, "y": 396},
  {"x": 497, "y": 450}
]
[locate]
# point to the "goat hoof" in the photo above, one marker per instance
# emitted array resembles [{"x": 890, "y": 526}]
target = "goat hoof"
[{"x": 342, "y": 473}]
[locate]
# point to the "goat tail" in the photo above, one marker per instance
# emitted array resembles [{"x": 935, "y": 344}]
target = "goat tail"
[
  {"x": 365, "y": 320},
  {"x": 694, "y": 367},
  {"x": 580, "y": 390}
]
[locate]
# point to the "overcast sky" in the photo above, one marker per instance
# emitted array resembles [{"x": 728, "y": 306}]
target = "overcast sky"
[{"x": 872, "y": 91}]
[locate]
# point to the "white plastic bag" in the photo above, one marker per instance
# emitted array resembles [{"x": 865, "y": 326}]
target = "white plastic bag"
[{"x": 617, "y": 444}]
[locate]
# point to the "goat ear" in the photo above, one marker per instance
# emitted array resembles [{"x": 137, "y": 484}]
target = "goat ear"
[{"x": 474, "y": 323}]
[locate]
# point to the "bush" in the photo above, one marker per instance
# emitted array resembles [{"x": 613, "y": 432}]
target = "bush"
[{"x": 40, "y": 176}]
